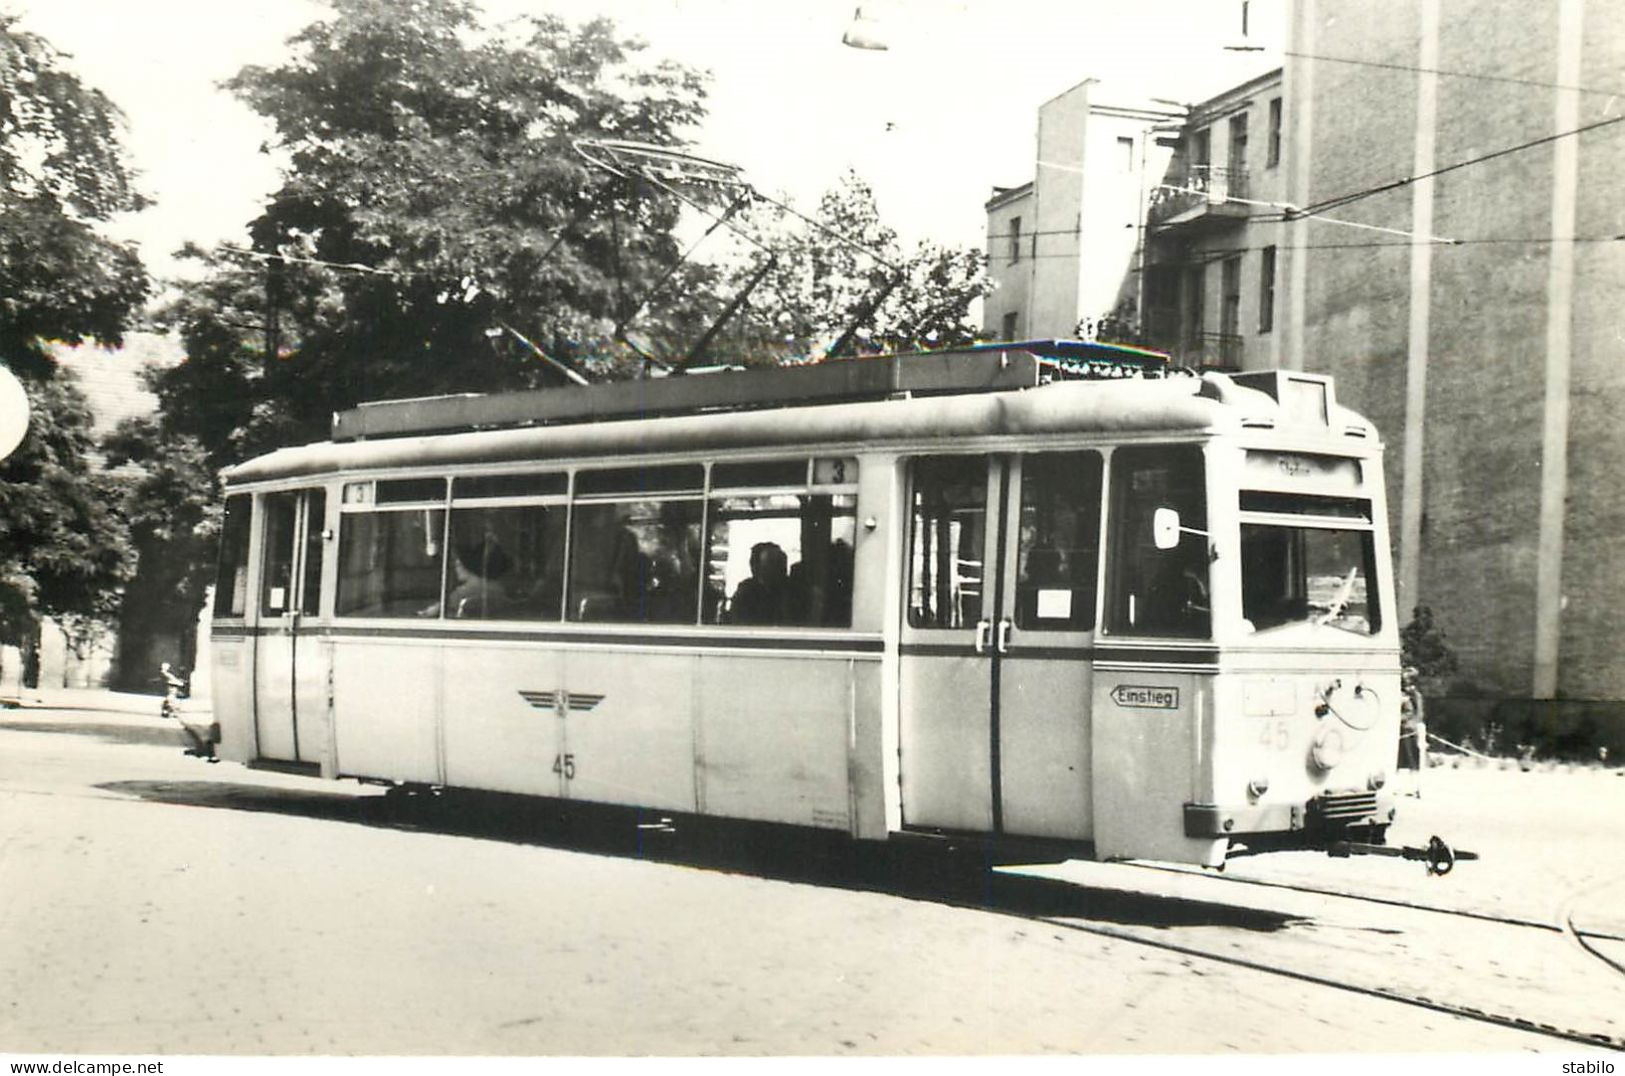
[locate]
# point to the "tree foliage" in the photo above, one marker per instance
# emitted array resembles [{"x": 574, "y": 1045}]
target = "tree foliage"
[
  {"x": 63, "y": 545},
  {"x": 432, "y": 201},
  {"x": 173, "y": 517},
  {"x": 63, "y": 172},
  {"x": 1423, "y": 647},
  {"x": 843, "y": 273}
]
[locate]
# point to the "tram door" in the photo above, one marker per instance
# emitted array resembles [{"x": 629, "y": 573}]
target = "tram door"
[
  {"x": 1001, "y": 572},
  {"x": 287, "y": 679}
]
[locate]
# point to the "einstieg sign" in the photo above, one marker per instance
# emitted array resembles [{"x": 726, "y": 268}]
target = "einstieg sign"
[{"x": 1146, "y": 697}]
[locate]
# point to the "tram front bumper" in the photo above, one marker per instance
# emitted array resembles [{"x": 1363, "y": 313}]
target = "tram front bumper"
[{"x": 1331, "y": 814}]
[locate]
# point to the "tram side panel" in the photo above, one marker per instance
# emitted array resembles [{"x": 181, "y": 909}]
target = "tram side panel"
[
  {"x": 628, "y": 727},
  {"x": 387, "y": 697},
  {"x": 503, "y": 717},
  {"x": 231, "y": 666},
  {"x": 1149, "y": 759},
  {"x": 776, "y": 736}
]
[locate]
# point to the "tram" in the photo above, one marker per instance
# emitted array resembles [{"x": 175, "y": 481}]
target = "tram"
[{"x": 1048, "y": 592}]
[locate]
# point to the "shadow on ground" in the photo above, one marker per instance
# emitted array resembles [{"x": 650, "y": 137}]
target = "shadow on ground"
[{"x": 935, "y": 871}]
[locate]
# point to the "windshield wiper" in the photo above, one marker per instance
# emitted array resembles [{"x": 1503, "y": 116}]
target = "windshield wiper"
[{"x": 1340, "y": 603}]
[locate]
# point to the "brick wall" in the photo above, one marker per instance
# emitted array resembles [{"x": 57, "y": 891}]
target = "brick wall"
[{"x": 1489, "y": 310}]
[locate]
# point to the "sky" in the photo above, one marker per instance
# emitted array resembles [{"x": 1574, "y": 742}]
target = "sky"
[{"x": 933, "y": 123}]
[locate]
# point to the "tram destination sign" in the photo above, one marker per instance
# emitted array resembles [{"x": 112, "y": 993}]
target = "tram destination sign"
[{"x": 1144, "y": 697}]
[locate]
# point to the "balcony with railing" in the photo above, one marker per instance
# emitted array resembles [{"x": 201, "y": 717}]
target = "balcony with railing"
[
  {"x": 1192, "y": 349},
  {"x": 1200, "y": 194}
]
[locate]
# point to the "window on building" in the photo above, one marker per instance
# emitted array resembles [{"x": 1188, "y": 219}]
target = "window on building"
[
  {"x": 1195, "y": 304},
  {"x": 1238, "y": 147},
  {"x": 1010, "y": 325},
  {"x": 1015, "y": 240},
  {"x": 1230, "y": 281},
  {"x": 1125, "y": 153},
  {"x": 1266, "y": 291},
  {"x": 1275, "y": 133}
]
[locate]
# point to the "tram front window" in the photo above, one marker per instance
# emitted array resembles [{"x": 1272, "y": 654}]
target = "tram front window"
[{"x": 1307, "y": 575}]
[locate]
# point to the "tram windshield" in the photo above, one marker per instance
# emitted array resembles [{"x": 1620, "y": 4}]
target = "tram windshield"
[{"x": 1316, "y": 569}]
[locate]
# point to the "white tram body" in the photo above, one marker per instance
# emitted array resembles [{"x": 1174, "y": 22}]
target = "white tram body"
[{"x": 1145, "y": 617}]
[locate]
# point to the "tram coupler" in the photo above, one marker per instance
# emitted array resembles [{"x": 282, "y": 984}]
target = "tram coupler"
[{"x": 1439, "y": 856}]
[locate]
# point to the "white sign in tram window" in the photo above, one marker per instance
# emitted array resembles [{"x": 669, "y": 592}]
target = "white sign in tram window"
[{"x": 1054, "y": 605}]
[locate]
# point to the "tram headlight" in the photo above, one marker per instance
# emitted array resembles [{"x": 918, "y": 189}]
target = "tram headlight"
[
  {"x": 1376, "y": 781},
  {"x": 1328, "y": 748},
  {"x": 1258, "y": 786}
]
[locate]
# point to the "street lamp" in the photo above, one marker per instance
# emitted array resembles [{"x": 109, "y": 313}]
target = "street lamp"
[
  {"x": 13, "y": 412},
  {"x": 864, "y": 33}
]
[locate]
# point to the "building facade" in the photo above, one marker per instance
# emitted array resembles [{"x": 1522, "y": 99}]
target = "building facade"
[
  {"x": 1462, "y": 278},
  {"x": 1423, "y": 203},
  {"x": 1212, "y": 252},
  {"x": 1066, "y": 251}
]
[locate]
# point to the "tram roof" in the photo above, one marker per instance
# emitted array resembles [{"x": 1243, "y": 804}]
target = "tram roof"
[
  {"x": 1129, "y": 406},
  {"x": 996, "y": 367}
]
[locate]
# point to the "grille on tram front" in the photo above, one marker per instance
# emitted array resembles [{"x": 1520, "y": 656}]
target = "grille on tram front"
[{"x": 1341, "y": 808}]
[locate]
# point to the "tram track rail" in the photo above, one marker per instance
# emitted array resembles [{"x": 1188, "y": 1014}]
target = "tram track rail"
[
  {"x": 1563, "y": 921},
  {"x": 1562, "y": 924},
  {"x": 1466, "y": 1012}
]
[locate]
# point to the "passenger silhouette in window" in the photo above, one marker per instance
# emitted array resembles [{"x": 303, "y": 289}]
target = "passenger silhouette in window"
[
  {"x": 764, "y": 597},
  {"x": 476, "y": 590}
]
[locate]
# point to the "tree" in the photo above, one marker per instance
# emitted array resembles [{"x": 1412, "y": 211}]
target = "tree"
[
  {"x": 63, "y": 172},
  {"x": 1422, "y": 646},
  {"x": 173, "y": 518},
  {"x": 433, "y": 211},
  {"x": 63, "y": 546},
  {"x": 844, "y": 273}
]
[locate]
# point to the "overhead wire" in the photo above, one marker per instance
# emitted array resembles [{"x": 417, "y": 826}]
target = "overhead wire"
[{"x": 1512, "y": 79}]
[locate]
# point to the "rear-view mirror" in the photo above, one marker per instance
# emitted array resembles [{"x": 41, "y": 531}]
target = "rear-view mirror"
[{"x": 1165, "y": 528}]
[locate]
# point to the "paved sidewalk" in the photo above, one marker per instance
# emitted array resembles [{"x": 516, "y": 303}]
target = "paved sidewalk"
[{"x": 99, "y": 700}]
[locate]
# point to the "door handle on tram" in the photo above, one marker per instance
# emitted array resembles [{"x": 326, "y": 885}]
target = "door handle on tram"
[
  {"x": 1004, "y": 635},
  {"x": 984, "y": 635}
]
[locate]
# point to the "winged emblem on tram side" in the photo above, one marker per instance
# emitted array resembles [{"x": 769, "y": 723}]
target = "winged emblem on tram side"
[{"x": 561, "y": 702}]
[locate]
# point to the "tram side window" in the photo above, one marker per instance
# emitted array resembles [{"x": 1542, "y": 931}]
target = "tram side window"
[
  {"x": 507, "y": 562},
  {"x": 636, "y": 561},
  {"x": 1158, "y": 591},
  {"x": 390, "y": 562},
  {"x": 781, "y": 559},
  {"x": 947, "y": 532},
  {"x": 1059, "y": 548},
  {"x": 231, "y": 580}
]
